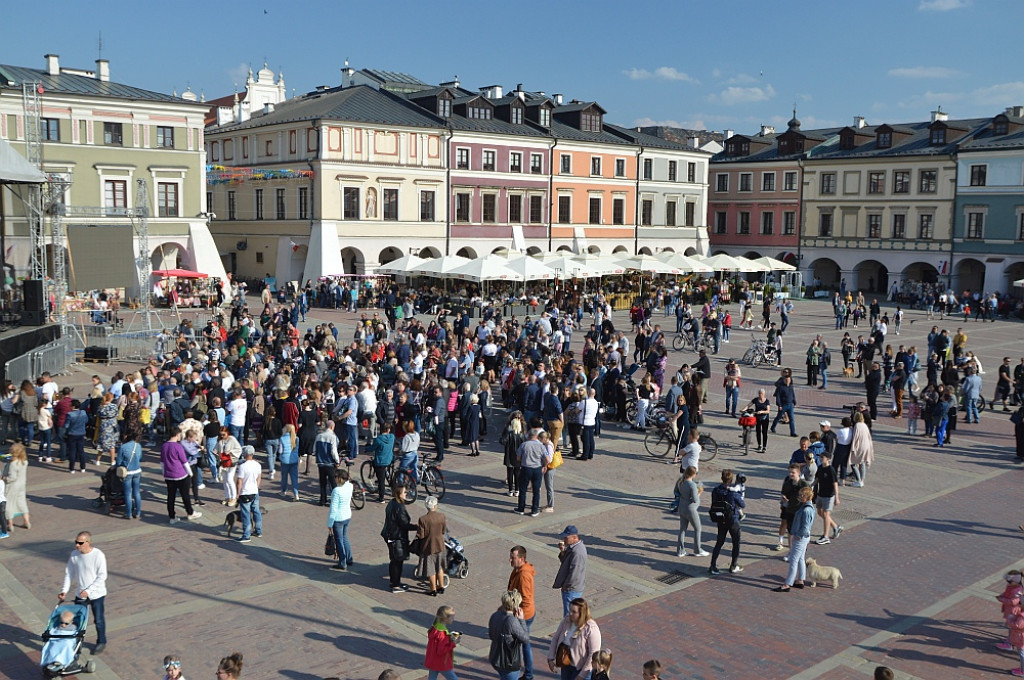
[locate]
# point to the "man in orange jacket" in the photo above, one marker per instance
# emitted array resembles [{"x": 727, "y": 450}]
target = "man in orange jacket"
[{"x": 521, "y": 579}]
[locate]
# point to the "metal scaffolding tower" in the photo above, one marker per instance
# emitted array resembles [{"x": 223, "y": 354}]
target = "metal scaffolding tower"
[{"x": 33, "y": 202}]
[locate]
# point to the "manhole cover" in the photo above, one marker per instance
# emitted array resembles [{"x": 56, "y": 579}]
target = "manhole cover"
[
  {"x": 674, "y": 577},
  {"x": 841, "y": 516}
]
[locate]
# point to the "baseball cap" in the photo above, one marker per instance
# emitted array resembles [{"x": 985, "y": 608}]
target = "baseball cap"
[
  {"x": 824, "y": 423},
  {"x": 570, "y": 530}
]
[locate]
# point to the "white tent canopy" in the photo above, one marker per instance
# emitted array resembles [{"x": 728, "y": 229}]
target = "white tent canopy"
[
  {"x": 568, "y": 268},
  {"x": 402, "y": 265},
  {"x": 684, "y": 263},
  {"x": 440, "y": 266},
  {"x": 606, "y": 266},
  {"x": 650, "y": 264},
  {"x": 529, "y": 268},
  {"x": 775, "y": 265},
  {"x": 14, "y": 169},
  {"x": 752, "y": 265},
  {"x": 487, "y": 268},
  {"x": 723, "y": 263}
]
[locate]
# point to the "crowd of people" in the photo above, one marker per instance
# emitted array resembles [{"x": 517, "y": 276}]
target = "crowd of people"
[{"x": 221, "y": 400}]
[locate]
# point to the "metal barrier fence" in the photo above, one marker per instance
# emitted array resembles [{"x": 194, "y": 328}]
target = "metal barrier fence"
[
  {"x": 20, "y": 368},
  {"x": 53, "y": 358},
  {"x": 134, "y": 345}
]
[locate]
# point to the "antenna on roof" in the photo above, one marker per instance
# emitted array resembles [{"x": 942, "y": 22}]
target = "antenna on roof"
[{"x": 99, "y": 46}]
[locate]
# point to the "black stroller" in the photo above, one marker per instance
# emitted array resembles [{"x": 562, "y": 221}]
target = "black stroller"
[
  {"x": 455, "y": 557},
  {"x": 63, "y": 642},
  {"x": 111, "y": 492}
]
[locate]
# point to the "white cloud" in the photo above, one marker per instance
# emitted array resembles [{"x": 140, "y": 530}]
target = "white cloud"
[
  {"x": 686, "y": 124},
  {"x": 660, "y": 73},
  {"x": 924, "y": 72},
  {"x": 942, "y": 5},
  {"x": 716, "y": 73},
  {"x": 743, "y": 95},
  {"x": 741, "y": 79}
]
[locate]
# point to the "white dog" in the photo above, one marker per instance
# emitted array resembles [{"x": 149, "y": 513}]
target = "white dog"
[{"x": 817, "y": 573}]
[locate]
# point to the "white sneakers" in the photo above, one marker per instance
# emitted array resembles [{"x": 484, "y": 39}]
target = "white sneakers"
[{"x": 195, "y": 515}]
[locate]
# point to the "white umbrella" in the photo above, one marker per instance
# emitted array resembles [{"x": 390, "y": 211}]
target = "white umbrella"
[
  {"x": 752, "y": 265},
  {"x": 402, "y": 265},
  {"x": 723, "y": 263},
  {"x": 568, "y": 268},
  {"x": 487, "y": 268},
  {"x": 650, "y": 264},
  {"x": 605, "y": 266},
  {"x": 1019, "y": 283},
  {"x": 439, "y": 266},
  {"x": 775, "y": 265},
  {"x": 529, "y": 268},
  {"x": 684, "y": 263}
]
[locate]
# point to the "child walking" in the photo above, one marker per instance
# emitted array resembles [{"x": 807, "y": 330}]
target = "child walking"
[
  {"x": 441, "y": 645},
  {"x": 601, "y": 663},
  {"x": 1010, "y": 598},
  {"x": 913, "y": 415}
]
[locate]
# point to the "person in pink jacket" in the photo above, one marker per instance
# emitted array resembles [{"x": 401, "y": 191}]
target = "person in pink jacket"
[
  {"x": 1015, "y": 622},
  {"x": 581, "y": 637},
  {"x": 1010, "y": 598}
]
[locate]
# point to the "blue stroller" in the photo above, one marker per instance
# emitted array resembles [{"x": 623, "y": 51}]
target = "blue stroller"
[{"x": 63, "y": 642}]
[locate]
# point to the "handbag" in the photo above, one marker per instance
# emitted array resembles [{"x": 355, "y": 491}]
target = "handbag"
[
  {"x": 330, "y": 547},
  {"x": 416, "y": 547},
  {"x": 562, "y": 655},
  {"x": 556, "y": 460},
  {"x": 396, "y": 551},
  {"x": 121, "y": 471},
  {"x": 145, "y": 416},
  {"x": 201, "y": 462}
]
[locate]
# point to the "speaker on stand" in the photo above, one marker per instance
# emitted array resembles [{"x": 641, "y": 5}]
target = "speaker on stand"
[{"x": 33, "y": 312}]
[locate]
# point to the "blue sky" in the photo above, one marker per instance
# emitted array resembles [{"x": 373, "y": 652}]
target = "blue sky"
[{"x": 714, "y": 64}]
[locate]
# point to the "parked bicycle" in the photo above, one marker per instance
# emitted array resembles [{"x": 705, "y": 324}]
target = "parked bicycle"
[
  {"x": 430, "y": 478},
  {"x": 659, "y": 441}
]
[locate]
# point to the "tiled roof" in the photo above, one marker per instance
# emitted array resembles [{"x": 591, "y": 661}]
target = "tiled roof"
[
  {"x": 763, "y": 154},
  {"x": 986, "y": 139},
  {"x": 917, "y": 143},
  {"x": 68, "y": 83},
  {"x": 562, "y": 131},
  {"x": 647, "y": 140},
  {"x": 362, "y": 104},
  {"x": 393, "y": 77},
  {"x": 578, "y": 106}
]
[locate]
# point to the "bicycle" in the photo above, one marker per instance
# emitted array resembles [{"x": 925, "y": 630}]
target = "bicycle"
[
  {"x": 748, "y": 422},
  {"x": 358, "y": 501},
  {"x": 683, "y": 341},
  {"x": 659, "y": 442},
  {"x": 756, "y": 345},
  {"x": 430, "y": 476}
]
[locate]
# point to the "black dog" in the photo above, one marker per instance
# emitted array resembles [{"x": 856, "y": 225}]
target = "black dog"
[{"x": 235, "y": 517}]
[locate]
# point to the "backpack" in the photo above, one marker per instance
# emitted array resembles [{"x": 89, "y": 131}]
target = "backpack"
[{"x": 721, "y": 510}]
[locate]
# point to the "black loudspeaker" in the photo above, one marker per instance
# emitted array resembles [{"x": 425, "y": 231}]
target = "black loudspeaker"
[
  {"x": 33, "y": 317},
  {"x": 33, "y": 294},
  {"x": 99, "y": 354}
]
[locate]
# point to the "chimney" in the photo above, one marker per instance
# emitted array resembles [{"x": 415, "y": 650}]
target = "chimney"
[
  {"x": 491, "y": 91},
  {"x": 103, "y": 70},
  {"x": 268, "y": 107},
  {"x": 557, "y": 98},
  {"x": 1015, "y": 111},
  {"x": 727, "y": 133},
  {"x": 859, "y": 122},
  {"x": 346, "y": 75},
  {"x": 52, "y": 64},
  {"x": 767, "y": 130},
  {"x": 939, "y": 114},
  {"x": 694, "y": 142}
]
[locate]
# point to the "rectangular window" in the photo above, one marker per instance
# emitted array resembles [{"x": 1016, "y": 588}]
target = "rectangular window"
[
  {"x": 924, "y": 227},
  {"x": 975, "y": 225},
  {"x": 828, "y": 182},
  {"x": 115, "y": 194},
  {"x": 979, "y": 175},
  {"x": 767, "y": 223},
  {"x": 536, "y": 209},
  {"x": 768, "y": 181},
  {"x": 517, "y": 115},
  {"x": 648, "y": 168},
  {"x": 690, "y": 214},
  {"x": 744, "y": 224},
  {"x": 618, "y": 211},
  {"x": 389, "y": 207},
  {"x": 462, "y": 159},
  {"x": 789, "y": 181},
  {"x": 691, "y": 172},
  {"x": 165, "y": 137},
  {"x": 303, "y": 203},
  {"x": 489, "y": 163},
  {"x": 884, "y": 140},
  {"x": 1020, "y": 227},
  {"x": 545, "y": 117},
  {"x": 49, "y": 129},
  {"x": 167, "y": 199},
  {"x": 899, "y": 227},
  {"x": 566, "y": 164},
  {"x": 112, "y": 135},
  {"x": 722, "y": 181},
  {"x": 746, "y": 181},
  {"x": 825, "y": 225},
  {"x": 646, "y": 212},
  {"x": 279, "y": 203},
  {"x": 515, "y": 161},
  {"x": 427, "y": 206},
  {"x": 462, "y": 207},
  {"x": 595, "y": 210},
  {"x": 259, "y": 204},
  {"x": 901, "y": 182},
  {"x": 929, "y": 181},
  {"x": 565, "y": 209},
  {"x": 515, "y": 209},
  {"x": 876, "y": 182},
  {"x": 620, "y": 167},
  {"x": 670, "y": 213},
  {"x": 874, "y": 226},
  {"x": 789, "y": 223},
  {"x": 444, "y": 107},
  {"x": 721, "y": 220},
  {"x": 245, "y": 146},
  {"x": 536, "y": 164},
  {"x": 671, "y": 171},
  {"x": 350, "y": 208},
  {"x": 490, "y": 208},
  {"x": 209, "y": 201},
  {"x": 595, "y": 166},
  {"x": 259, "y": 257},
  {"x": 232, "y": 206}
]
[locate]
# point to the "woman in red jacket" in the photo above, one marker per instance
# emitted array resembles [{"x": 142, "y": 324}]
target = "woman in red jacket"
[{"x": 441, "y": 645}]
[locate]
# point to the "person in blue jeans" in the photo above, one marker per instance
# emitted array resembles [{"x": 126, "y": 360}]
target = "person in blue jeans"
[
  {"x": 76, "y": 423},
  {"x": 247, "y": 479},
  {"x": 572, "y": 570},
  {"x": 800, "y": 536},
  {"x": 339, "y": 518},
  {"x": 130, "y": 456},
  {"x": 785, "y": 399}
]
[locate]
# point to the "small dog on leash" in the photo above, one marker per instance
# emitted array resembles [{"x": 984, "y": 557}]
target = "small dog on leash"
[
  {"x": 235, "y": 517},
  {"x": 848, "y": 371},
  {"x": 819, "y": 574}
]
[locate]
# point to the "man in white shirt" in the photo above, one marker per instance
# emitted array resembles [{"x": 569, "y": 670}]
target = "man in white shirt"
[
  {"x": 589, "y": 413},
  {"x": 237, "y": 409},
  {"x": 49, "y": 388},
  {"x": 247, "y": 479},
  {"x": 367, "y": 400},
  {"x": 87, "y": 567}
]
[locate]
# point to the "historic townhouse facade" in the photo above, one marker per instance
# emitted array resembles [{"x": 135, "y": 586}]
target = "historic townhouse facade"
[
  {"x": 755, "y": 190},
  {"x": 329, "y": 183},
  {"x": 878, "y": 204},
  {"x": 102, "y": 136},
  {"x": 988, "y": 242}
]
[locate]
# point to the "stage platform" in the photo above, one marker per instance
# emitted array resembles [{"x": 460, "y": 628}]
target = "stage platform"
[{"x": 20, "y": 340}]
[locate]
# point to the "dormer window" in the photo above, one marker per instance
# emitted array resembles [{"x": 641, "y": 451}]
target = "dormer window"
[
  {"x": 517, "y": 115},
  {"x": 784, "y": 147},
  {"x": 590, "y": 122},
  {"x": 740, "y": 147},
  {"x": 479, "y": 112},
  {"x": 884, "y": 140},
  {"x": 1001, "y": 126},
  {"x": 938, "y": 135},
  {"x": 545, "y": 117},
  {"x": 846, "y": 141},
  {"x": 444, "y": 107}
]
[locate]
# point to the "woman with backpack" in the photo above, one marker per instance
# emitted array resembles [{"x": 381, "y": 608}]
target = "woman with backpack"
[{"x": 726, "y": 506}]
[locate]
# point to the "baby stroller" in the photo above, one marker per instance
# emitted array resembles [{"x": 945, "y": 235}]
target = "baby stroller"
[
  {"x": 111, "y": 492},
  {"x": 458, "y": 563},
  {"x": 63, "y": 644}
]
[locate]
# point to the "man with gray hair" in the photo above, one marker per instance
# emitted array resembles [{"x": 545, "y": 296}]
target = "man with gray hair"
[
  {"x": 325, "y": 449},
  {"x": 247, "y": 479}
]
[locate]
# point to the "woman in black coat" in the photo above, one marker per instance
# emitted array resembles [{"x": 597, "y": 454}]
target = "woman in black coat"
[
  {"x": 395, "y": 533},
  {"x": 511, "y": 438}
]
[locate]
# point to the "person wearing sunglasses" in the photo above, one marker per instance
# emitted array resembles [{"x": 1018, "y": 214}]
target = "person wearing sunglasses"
[
  {"x": 87, "y": 567},
  {"x": 230, "y": 667}
]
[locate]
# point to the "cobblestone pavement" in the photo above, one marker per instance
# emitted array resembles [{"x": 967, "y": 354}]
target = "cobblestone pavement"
[{"x": 925, "y": 545}]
